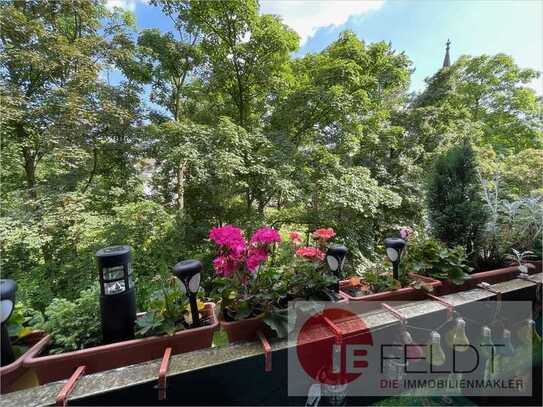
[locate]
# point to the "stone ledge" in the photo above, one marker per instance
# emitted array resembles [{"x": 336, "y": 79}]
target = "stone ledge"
[{"x": 179, "y": 364}]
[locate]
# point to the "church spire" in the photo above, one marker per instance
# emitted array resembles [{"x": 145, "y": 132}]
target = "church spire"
[{"x": 447, "y": 60}]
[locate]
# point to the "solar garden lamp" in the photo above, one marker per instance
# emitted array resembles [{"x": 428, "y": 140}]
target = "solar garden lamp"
[
  {"x": 394, "y": 247},
  {"x": 117, "y": 293},
  {"x": 335, "y": 258},
  {"x": 7, "y": 298},
  {"x": 190, "y": 273}
]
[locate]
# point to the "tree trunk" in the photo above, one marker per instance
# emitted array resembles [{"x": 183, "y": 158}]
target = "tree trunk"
[
  {"x": 30, "y": 172},
  {"x": 180, "y": 188}
]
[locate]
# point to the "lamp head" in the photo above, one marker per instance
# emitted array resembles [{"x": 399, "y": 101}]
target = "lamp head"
[
  {"x": 115, "y": 269},
  {"x": 394, "y": 247},
  {"x": 7, "y": 298},
  {"x": 335, "y": 257},
  {"x": 189, "y": 272}
]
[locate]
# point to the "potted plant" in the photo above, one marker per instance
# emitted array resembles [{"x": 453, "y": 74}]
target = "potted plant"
[
  {"x": 74, "y": 337},
  {"x": 379, "y": 284},
  {"x": 258, "y": 277},
  {"x": 523, "y": 262},
  {"x": 23, "y": 340},
  {"x": 429, "y": 257}
]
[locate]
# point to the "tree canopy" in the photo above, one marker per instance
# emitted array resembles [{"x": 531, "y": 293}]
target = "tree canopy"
[{"x": 217, "y": 122}]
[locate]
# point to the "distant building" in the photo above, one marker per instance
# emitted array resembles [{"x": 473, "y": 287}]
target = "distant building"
[{"x": 447, "y": 59}]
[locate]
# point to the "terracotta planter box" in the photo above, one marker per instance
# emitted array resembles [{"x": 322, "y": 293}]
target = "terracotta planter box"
[
  {"x": 10, "y": 373},
  {"x": 246, "y": 329},
  {"x": 402, "y": 294},
  {"x": 491, "y": 277},
  {"x": 111, "y": 356}
]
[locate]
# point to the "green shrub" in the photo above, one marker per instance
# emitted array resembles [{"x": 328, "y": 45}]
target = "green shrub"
[
  {"x": 430, "y": 257},
  {"x": 23, "y": 321},
  {"x": 456, "y": 209},
  {"x": 74, "y": 324}
]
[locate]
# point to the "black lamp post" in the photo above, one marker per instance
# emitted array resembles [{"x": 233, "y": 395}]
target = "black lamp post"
[
  {"x": 189, "y": 272},
  {"x": 335, "y": 258},
  {"x": 7, "y": 299},
  {"x": 394, "y": 247},
  {"x": 117, "y": 294}
]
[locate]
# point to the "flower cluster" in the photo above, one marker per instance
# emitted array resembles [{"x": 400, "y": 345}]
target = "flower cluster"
[
  {"x": 235, "y": 253},
  {"x": 295, "y": 236},
  {"x": 405, "y": 232},
  {"x": 265, "y": 236},
  {"x": 310, "y": 253},
  {"x": 324, "y": 234},
  {"x": 315, "y": 254}
]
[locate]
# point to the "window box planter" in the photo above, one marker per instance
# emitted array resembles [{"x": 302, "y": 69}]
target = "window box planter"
[
  {"x": 401, "y": 294},
  {"x": 246, "y": 329},
  {"x": 11, "y": 373},
  {"x": 491, "y": 277},
  {"x": 55, "y": 367}
]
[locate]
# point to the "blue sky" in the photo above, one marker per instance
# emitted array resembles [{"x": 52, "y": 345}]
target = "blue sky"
[{"x": 418, "y": 27}]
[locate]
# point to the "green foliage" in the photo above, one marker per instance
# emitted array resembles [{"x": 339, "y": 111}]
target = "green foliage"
[
  {"x": 75, "y": 324},
  {"x": 218, "y": 121},
  {"x": 491, "y": 92},
  {"x": 427, "y": 256},
  {"x": 456, "y": 209},
  {"x": 23, "y": 321},
  {"x": 306, "y": 280},
  {"x": 167, "y": 311},
  {"x": 511, "y": 225}
]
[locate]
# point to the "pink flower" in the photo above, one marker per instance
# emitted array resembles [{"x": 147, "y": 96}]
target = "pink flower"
[
  {"x": 228, "y": 236},
  {"x": 225, "y": 266},
  {"x": 295, "y": 236},
  {"x": 265, "y": 236},
  {"x": 255, "y": 258},
  {"x": 311, "y": 253},
  {"x": 324, "y": 234},
  {"x": 405, "y": 232}
]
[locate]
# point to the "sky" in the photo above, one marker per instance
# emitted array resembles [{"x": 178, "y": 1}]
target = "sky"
[{"x": 418, "y": 27}]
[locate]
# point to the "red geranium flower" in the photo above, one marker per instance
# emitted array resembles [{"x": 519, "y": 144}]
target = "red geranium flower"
[
  {"x": 295, "y": 236},
  {"x": 311, "y": 253},
  {"x": 324, "y": 234}
]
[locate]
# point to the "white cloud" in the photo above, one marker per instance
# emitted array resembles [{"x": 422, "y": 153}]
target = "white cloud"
[
  {"x": 306, "y": 16},
  {"x": 125, "y": 4}
]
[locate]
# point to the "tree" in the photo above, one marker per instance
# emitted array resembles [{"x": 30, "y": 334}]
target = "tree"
[
  {"x": 334, "y": 122},
  {"x": 456, "y": 209},
  {"x": 490, "y": 91},
  {"x": 247, "y": 53},
  {"x": 51, "y": 53}
]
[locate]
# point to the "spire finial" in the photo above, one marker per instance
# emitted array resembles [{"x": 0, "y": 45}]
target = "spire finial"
[{"x": 447, "y": 60}]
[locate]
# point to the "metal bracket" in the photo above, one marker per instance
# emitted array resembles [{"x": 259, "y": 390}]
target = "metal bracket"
[
  {"x": 402, "y": 318},
  {"x": 527, "y": 277},
  {"x": 336, "y": 330},
  {"x": 62, "y": 397},
  {"x": 450, "y": 307},
  {"x": 162, "y": 374},
  {"x": 488, "y": 287},
  {"x": 267, "y": 351}
]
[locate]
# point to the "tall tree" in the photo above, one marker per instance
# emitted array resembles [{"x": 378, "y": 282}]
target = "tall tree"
[
  {"x": 52, "y": 53},
  {"x": 247, "y": 53},
  {"x": 493, "y": 93},
  {"x": 456, "y": 208}
]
